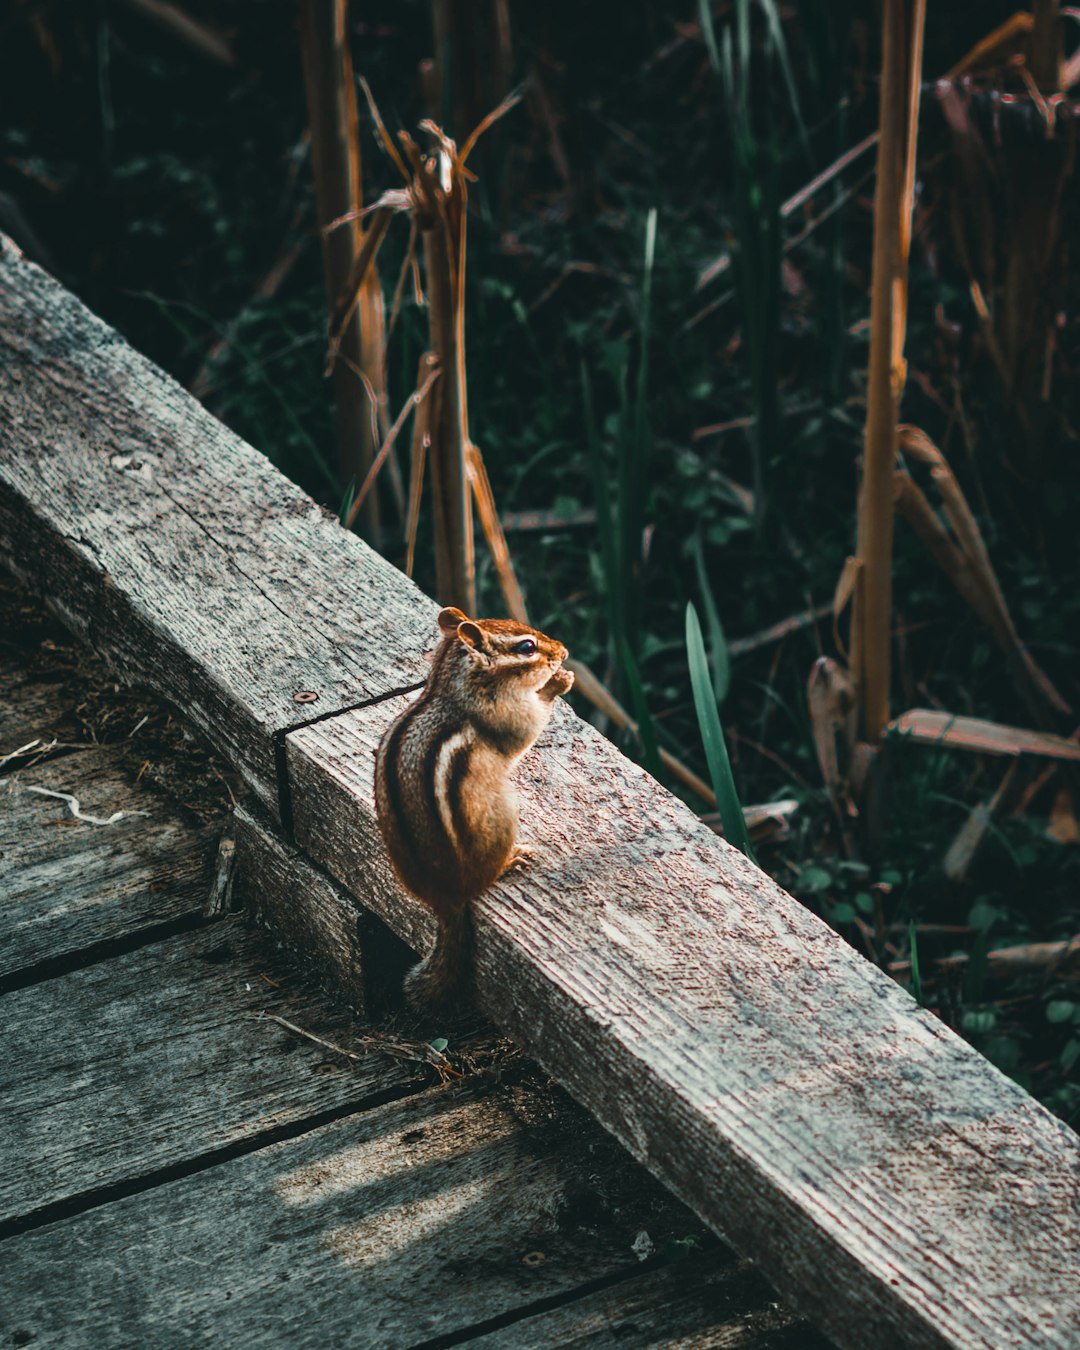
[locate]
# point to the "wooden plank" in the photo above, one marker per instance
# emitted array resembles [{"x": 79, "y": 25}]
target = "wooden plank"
[
  {"x": 315, "y": 920},
  {"x": 175, "y": 549},
  {"x": 415, "y": 1220},
  {"x": 155, "y": 1059},
  {"x": 67, "y": 885},
  {"x": 694, "y": 1304},
  {"x": 786, "y": 1089}
]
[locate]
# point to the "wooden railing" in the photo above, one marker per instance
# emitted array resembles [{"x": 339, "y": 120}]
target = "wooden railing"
[{"x": 889, "y": 1179}]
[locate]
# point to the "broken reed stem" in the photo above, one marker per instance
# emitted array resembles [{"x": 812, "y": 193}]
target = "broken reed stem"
[
  {"x": 335, "y": 153},
  {"x": 455, "y": 577},
  {"x": 871, "y": 623},
  {"x": 436, "y": 194}
]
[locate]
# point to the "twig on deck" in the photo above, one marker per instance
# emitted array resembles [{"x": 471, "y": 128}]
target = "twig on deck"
[{"x": 419, "y": 1052}]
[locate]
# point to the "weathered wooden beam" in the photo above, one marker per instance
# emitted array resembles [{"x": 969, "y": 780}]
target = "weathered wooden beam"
[
  {"x": 175, "y": 549},
  {"x": 881, "y": 1171},
  {"x": 313, "y": 918}
]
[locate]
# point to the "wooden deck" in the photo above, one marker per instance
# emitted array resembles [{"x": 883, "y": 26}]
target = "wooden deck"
[
  {"x": 892, "y": 1183},
  {"x": 176, "y": 1166}
]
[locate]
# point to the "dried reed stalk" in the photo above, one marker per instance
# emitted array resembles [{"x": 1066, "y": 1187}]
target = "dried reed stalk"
[
  {"x": 963, "y": 556},
  {"x": 436, "y": 197},
  {"x": 871, "y": 621},
  {"x": 335, "y": 153}
]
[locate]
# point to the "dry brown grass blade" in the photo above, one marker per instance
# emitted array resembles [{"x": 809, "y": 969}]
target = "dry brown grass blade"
[
  {"x": 195, "y": 34},
  {"x": 928, "y": 726},
  {"x": 830, "y": 701},
  {"x": 493, "y": 532},
  {"x": 966, "y": 561},
  {"x": 872, "y": 618},
  {"x": 421, "y": 439},
  {"x": 911, "y": 503},
  {"x": 776, "y": 632},
  {"x": 352, "y": 292},
  {"x": 413, "y": 401},
  {"x": 769, "y": 821},
  {"x": 996, "y": 48},
  {"x": 846, "y": 585},
  {"x": 1063, "y": 826},
  {"x": 1051, "y": 960},
  {"x": 973, "y": 834}
]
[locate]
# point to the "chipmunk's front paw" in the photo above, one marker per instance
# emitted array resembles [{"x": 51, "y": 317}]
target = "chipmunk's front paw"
[{"x": 561, "y": 682}]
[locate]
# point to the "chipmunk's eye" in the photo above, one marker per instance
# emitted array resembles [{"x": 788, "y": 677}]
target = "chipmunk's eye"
[{"x": 525, "y": 647}]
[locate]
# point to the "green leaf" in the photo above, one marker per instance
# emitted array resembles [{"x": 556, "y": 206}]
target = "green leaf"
[
  {"x": 1060, "y": 1010},
  {"x": 718, "y": 648},
  {"x": 842, "y": 913},
  {"x": 712, "y": 736},
  {"x": 439, "y": 1044},
  {"x": 347, "y": 500},
  {"x": 983, "y": 915},
  {"x": 814, "y": 879},
  {"x": 916, "y": 978}
]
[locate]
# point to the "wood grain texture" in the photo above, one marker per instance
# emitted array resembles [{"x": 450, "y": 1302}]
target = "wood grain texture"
[
  {"x": 175, "y": 549},
  {"x": 695, "y": 1304},
  {"x": 878, "y": 1168},
  {"x": 66, "y": 885},
  {"x": 317, "y": 921},
  {"x": 418, "y": 1219},
  {"x": 155, "y": 1058}
]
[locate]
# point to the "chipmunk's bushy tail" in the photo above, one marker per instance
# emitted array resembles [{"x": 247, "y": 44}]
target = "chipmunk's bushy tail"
[{"x": 445, "y": 975}]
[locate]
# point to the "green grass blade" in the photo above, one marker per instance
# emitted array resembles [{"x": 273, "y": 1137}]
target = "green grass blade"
[
  {"x": 719, "y": 657},
  {"x": 708, "y": 32},
  {"x": 776, "y": 33},
  {"x": 347, "y": 500},
  {"x": 916, "y": 977},
  {"x": 712, "y": 735}
]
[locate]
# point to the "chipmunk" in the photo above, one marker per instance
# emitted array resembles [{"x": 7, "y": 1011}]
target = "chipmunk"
[{"x": 446, "y": 807}]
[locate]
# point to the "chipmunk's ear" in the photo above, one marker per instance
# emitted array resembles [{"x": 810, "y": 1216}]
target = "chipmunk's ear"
[
  {"x": 471, "y": 634},
  {"x": 450, "y": 619}
]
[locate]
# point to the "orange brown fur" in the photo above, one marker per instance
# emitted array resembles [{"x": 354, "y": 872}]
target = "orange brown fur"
[{"x": 446, "y": 806}]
